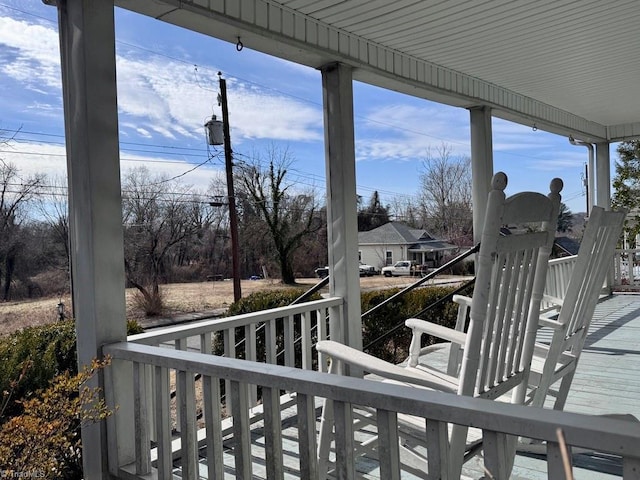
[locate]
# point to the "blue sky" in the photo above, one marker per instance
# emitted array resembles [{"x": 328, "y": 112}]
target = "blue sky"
[{"x": 167, "y": 89}]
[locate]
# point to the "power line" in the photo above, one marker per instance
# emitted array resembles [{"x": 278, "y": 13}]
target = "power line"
[{"x": 267, "y": 87}]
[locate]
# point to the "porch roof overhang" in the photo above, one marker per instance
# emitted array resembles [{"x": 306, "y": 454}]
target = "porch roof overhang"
[
  {"x": 563, "y": 66},
  {"x": 432, "y": 247}
]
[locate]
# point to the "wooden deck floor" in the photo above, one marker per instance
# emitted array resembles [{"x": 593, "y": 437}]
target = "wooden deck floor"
[{"x": 606, "y": 382}]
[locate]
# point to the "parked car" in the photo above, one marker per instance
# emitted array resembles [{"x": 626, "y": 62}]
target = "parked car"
[
  {"x": 368, "y": 270},
  {"x": 365, "y": 271},
  {"x": 403, "y": 267},
  {"x": 322, "y": 272}
]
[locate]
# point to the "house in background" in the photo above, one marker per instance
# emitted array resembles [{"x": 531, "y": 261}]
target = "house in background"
[{"x": 395, "y": 241}]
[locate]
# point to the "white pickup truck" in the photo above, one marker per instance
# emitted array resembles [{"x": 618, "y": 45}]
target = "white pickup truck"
[{"x": 403, "y": 267}]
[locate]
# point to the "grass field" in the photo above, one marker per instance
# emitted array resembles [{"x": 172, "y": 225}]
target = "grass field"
[{"x": 179, "y": 298}]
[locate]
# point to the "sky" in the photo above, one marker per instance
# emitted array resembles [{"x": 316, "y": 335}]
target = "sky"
[{"x": 167, "y": 89}]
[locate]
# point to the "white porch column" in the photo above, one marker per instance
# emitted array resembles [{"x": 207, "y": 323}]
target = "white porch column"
[
  {"x": 481, "y": 165},
  {"x": 603, "y": 176},
  {"x": 342, "y": 222},
  {"x": 87, "y": 45}
]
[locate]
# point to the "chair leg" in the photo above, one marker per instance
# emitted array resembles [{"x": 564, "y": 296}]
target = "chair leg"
[
  {"x": 563, "y": 391},
  {"x": 325, "y": 438}
]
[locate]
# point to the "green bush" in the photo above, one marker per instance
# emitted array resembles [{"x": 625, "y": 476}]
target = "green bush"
[
  {"x": 395, "y": 348},
  {"x": 267, "y": 299},
  {"x": 48, "y": 350},
  {"x": 36, "y": 355},
  {"x": 44, "y": 441}
]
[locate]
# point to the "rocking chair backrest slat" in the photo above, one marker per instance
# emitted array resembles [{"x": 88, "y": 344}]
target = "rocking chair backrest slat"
[{"x": 509, "y": 285}]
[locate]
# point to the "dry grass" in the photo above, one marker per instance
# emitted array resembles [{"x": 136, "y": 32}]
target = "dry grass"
[{"x": 179, "y": 298}]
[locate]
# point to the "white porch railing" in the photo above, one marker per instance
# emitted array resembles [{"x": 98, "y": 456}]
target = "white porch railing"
[
  {"x": 609, "y": 436},
  {"x": 626, "y": 269},
  {"x": 279, "y": 336},
  {"x": 558, "y": 275}
]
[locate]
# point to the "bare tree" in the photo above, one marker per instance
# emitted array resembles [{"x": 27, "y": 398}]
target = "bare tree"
[
  {"x": 159, "y": 214},
  {"x": 53, "y": 207},
  {"x": 445, "y": 195},
  {"x": 289, "y": 214},
  {"x": 15, "y": 193}
]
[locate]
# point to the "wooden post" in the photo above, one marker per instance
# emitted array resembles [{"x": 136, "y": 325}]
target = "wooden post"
[
  {"x": 481, "y": 165},
  {"x": 88, "y": 61},
  {"x": 233, "y": 214},
  {"x": 344, "y": 280}
]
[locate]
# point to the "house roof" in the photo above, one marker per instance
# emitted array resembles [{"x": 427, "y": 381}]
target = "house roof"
[
  {"x": 568, "y": 245},
  {"x": 397, "y": 233},
  {"x": 390, "y": 233},
  {"x": 564, "y": 66}
]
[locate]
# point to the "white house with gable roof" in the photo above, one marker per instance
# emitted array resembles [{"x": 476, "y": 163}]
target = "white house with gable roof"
[{"x": 396, "y": 241}]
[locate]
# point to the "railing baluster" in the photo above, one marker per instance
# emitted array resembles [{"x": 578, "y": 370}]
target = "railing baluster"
[
  {"x": 307, "y": 436},
  {"x": 555, "y": 465},
  {"x": 289, "y": 350},
  {"x": 272, "y": 433},
  {"x": 495, "y": 448},
  {"x": 241, "y": 432},
  {"x": 141, "y": 420},
  {"x": 270, "y": 342},
  {"x": 187, "y": 408},
  {"x": 437, "y": 449},
  {"x": 229, "y": 336},
  {"x": 630, "y": 468},
  {"x": 305, "y": 328},
  {"x": 322, "y": 335},
  {"x": 343, "y": 418},
  {"x": 163, "y": 423},
  {"x": 213, "y": 426},
  {"x": 151, "y": 402},
  {"x": 388, "y": 446},
  {"x": 251, "y": 355},
  {"x": 206, "y": 343},
  {"x": 180, "y": 344}
]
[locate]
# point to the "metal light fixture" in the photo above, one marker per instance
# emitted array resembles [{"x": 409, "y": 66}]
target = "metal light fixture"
[{"x": 215, "y": 134}]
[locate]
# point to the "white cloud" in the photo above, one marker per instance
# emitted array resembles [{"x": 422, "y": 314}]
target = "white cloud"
[
  {"x": 33, "y": 56},
  {"x": 404, "y": 132},
  {"x": 38, "y": 158},
  {"x": 159, "y": 94}
]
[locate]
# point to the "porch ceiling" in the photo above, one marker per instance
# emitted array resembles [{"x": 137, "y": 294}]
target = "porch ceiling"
[{"x": 569, "y": 66}]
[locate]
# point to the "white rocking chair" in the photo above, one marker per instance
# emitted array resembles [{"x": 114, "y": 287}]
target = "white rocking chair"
[
  {"x": 504, "y": 311},
  {"x": 557, "y": 361}
]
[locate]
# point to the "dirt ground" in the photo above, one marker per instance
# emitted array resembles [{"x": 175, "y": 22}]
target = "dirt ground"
[{"x": 179, "y": 297}]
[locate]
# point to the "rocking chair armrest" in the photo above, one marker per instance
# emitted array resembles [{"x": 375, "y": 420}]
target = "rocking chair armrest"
[
  {"x": 463, "y": 300},
  {"x": 446, "y": 333},
  {"x": 547, "y": 322},
  {"x": 557, "y": 301},
  {"x": 369, "y": 363}
]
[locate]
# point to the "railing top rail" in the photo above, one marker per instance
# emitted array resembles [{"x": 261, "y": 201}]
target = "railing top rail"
[
  {"x": 627, "y": 250},
  {"x": 218, "y": 324},
  {"x": 567, "y": 259},
  {"x": 607, "y": 435}
]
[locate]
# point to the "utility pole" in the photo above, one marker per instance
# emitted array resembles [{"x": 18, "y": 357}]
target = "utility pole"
[{"x": 233, "y": 215}]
